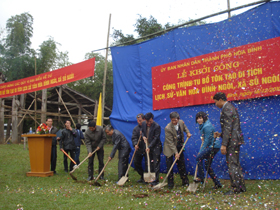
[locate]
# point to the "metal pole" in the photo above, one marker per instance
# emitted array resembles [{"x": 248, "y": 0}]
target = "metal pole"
[
  {"x": 105, "y": 72},
  {"x": 228, "y": 6}
]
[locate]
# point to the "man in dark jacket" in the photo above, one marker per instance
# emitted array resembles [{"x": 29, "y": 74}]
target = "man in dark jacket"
[
  {"x": 53, "y": 130},
  {"x": 77, "y": 139},
  {"x": 140, "y": 149},
  {"x": 232, "y": 138},
  {"x": 121, "y": 144},
  {"x": 95, "y": 138},
  {"x": 67, "y": 143},
  {"x": 151, "y": 133}
]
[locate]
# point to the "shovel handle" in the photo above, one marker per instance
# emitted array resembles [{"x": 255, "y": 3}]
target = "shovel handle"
[
  {"x": 210, "y": 159},
  {"x": 175, "y": 160},
  {"x": 68, "y": 156},
  {"x": 148, "y": 157},
  {"x": 83, "y": 161},
  {"x": 132, "y": 157},
  {"x": 102, "y": 170},
  {"x": 195, "y": 174}
]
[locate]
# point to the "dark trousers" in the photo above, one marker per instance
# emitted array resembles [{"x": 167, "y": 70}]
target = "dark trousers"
[
  {"x": 205, "y": 155},
  {"x": 123, "y": 161},
  {"x": 234, "y": 169},
  {"x": 138, "y": 158},
  {"x": 72, "y": 155},
  {"x": 100, "y": 156},
  {"x": 181, "y": 167},
  {"x": 53, "y": 158},
  {"x": 154, "y": 155},
  {"x": 77, "y": 155}
]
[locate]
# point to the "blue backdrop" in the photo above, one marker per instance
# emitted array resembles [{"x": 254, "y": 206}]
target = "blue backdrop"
[{"x": 259, "y": 117}]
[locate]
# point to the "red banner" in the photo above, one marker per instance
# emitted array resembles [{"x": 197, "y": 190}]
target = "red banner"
[
  {"x": 50, "y": 79},
  {"x": 248, "y": 71}
]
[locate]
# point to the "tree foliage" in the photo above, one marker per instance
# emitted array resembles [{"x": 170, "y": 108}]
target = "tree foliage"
[
  {"x": 16, "y": 54},
  {"x": 17, "y": 59},
  {"x": 19, "y": 30},
  {"x": 145, "y": 27},
  {"x": 62, "y": 60},
  {"x": 47, "y": 56},
  {"x": 93, "y": 87},
  {"x": 197, "y": 23}
]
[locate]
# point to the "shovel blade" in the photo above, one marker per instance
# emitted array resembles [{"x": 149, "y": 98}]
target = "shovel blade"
[
  {"x": 73, "y": 177},
  {"x": 96, "y": 184},
  {"x": 149, "y": 177},
  {"x": 159, "y": 186},
  {"x": 122, "y": 181},
  {"x": 193, "y": 187}
]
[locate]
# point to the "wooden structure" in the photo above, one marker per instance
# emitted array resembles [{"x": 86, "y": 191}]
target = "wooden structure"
[{"x": 49, "y": 104}]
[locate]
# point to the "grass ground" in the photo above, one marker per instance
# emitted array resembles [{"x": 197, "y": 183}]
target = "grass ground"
[{"x": 61, "y": 192}]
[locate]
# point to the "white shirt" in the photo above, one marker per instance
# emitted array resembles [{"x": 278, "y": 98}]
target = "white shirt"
[{"x": 176, "y": 127}]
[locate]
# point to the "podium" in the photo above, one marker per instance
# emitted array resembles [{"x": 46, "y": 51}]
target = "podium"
[{"x": 40, "y": 146}]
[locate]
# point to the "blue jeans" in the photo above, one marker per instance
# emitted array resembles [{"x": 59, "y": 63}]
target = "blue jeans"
[
  {"x": 205, "y": 155},
  {"x": 77, "y": 155}
]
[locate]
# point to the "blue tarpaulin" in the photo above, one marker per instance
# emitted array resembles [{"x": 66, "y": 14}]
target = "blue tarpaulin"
[{"x": 133, "y": 94}]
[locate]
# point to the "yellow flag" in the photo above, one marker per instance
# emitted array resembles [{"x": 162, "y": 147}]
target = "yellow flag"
[{"x": 99, "y": 111}]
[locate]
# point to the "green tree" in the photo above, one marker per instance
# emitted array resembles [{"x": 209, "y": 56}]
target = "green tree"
[
  {"x": 120, "y": 38},
  {"x": 47, "y": 56},
  {"x": 17, "y": 60},
  {"x": 93, "y": 87},
  {"x": 62, "y": 60},
  {"x": 19, "y": 30},
  {"x": 143, "y": 27},
  {"x": 146, "y": 26},
  {"x": 197, "y": 23}
]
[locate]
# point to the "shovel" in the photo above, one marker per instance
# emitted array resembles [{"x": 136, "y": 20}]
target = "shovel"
[
  {"x": 149, "y": 177},
  {"x": 161, "y": 185},
  {"x": 193, "y": 186},
  {"x": 77, "y": 166},
  {"x": 95, "y": 183},
  {"x": 210, "y": 160},
  {"x": 122, "y": 181}
]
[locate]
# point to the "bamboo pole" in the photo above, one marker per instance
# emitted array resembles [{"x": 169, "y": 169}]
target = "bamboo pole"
[
  {"x": 2, "y": 113},
  {"x": 105, "y": 72},
  {"x": 23, "y": 119},
  {"x": 228, "y": 6},
  {"x": 26, "y": 112},
  {"x": 184, "y": 24},
  {"x": 34, "y": 120},
  {"x": 66, "y": 108},
  {"x": 35, "y": 94},
  {"x": 68, "y": 112}
]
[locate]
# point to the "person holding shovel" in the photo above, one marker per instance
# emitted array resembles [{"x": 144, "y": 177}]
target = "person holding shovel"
[
  {"x": 207, "y": 152},
  {"x": 232, "y": 139},
  {"x": 121, "y": 144},
  {"x": 174, "y": 140},
  {"x": 95, "y": 138},
  {"x": 151, "y": 134},
  {"x": 140, "y": 149},
  {"x": 67, "y": 144}
]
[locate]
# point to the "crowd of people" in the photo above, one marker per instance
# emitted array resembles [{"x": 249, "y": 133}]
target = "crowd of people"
[{"x": 146, "y": 141}]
